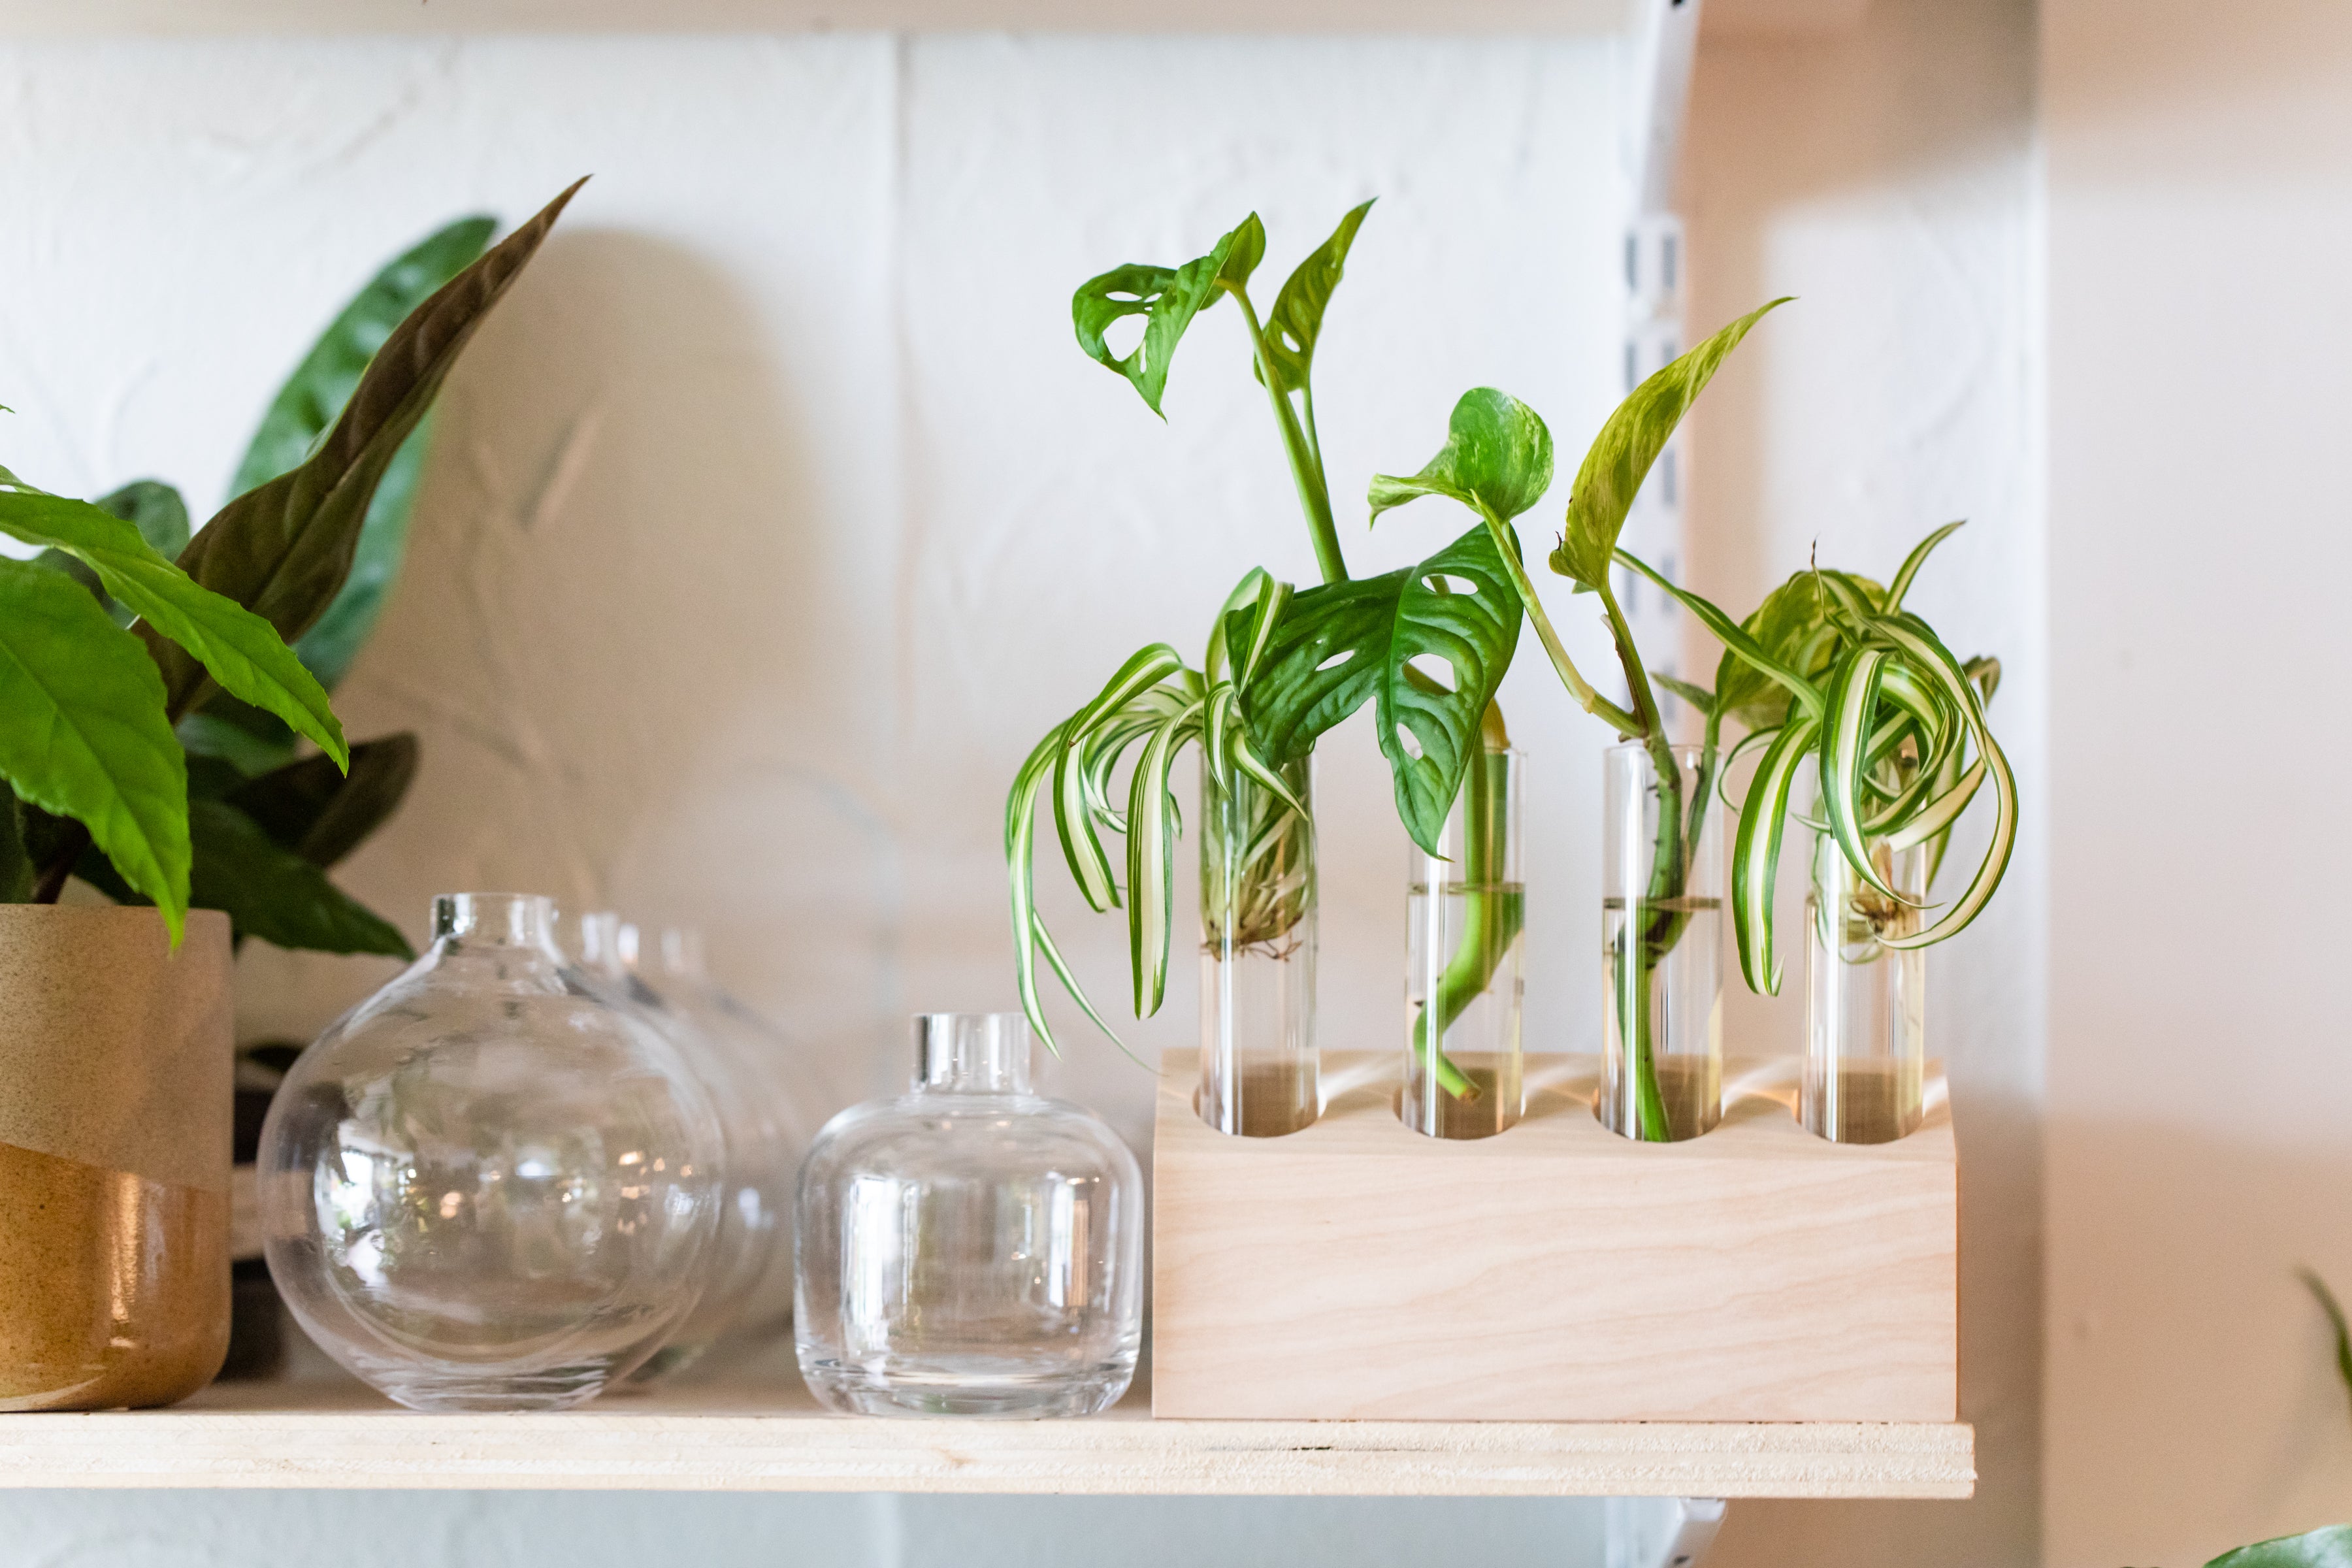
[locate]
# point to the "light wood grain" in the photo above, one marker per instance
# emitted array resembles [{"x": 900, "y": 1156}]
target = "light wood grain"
[
  {"x": 1358, "y": 1270},
  {"x": 769, "y": 1437}
]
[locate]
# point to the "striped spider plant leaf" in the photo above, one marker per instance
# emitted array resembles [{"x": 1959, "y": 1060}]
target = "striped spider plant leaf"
[
  {"x": 1735, "y": 639},
  {"x": 1755, "y": 851},
  {"x": 1911, "y": 636}
]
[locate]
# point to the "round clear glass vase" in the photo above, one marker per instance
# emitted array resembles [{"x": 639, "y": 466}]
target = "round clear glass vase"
[
  {"x": 487, "y": 1187},
  {"x": 792, "y": 1094},
  {"x": 1260, "y": 1071},
  {"x": 1661, "y": 947},
  {"x": 1866, "y": 1003},
  {"x": 759, "y": 1167},
  {"x": 1465, "y": 912},
  {"x": 970, "y": 1247}
]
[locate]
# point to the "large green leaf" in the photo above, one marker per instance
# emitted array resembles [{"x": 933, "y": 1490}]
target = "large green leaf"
[
  {"x": 1621, "y": 456},
  {"x": 2328, "y": 1548},
  {"x": 284, "y": 550},
  {"x": 82, "y": 732},
  {"x": 1296, "y": 319},
  {"x": 232, "y": 645},
  {"x": 1168, "y": 298},
  {"x": 322, "y": 815},
  {"x": 316, "y": 393},
  {"x": 1496, "y": 459},
  {"x": 152, "y": 507},
  {"x": 1346, "y": 642}
]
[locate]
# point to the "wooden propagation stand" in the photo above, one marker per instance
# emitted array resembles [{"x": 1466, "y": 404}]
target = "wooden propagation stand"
[{"x": 1358, "y": 1270}]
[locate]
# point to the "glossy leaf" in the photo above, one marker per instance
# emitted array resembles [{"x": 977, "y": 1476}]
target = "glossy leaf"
[
  {"x": 284, "y": 549},
  {"x": 82, "y": 733},
  {"x": 1167, "y": 297},
  {"x": 2327, "y": 1548},
  {"x": 1621, "y": 456},
  {"x": 234, "y": 646},
  {"x": 1931, "y": 658},
  {"x": 1496, "y": 458},
  {"x": 1151, "y": 862},
  {"x": 1296, "y": 321},
  {"x": 322, "y": 815},
  {"x": 1755, "y": 851},
  {"x": 157, "y": 510},
  {"x": 269, "y": 891},
  {"x": 1853, "y": 701},
  {"x": 310, "y": 401}
]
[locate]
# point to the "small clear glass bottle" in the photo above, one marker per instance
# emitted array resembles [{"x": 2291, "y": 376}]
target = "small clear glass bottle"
[
  {"x": 970, "y": 1247},
  {"x": 1260, "y": 1071},
  {"x": 487, "y": 1187},
  {"x": 758, "y": 1170},
  {"x": 1466, "y": 907},
  {"x": 1662, "y": 947},
  {"x": 1866, "y": 1003}
]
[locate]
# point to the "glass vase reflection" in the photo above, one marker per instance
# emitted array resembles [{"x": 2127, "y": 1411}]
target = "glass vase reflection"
[
  {"x": 970, "y": 1247},
  {"x": 486, "y": 1188}
]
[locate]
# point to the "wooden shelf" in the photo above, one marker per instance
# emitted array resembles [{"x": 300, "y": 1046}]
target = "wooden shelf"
[{"x": 771, "y": 1437}]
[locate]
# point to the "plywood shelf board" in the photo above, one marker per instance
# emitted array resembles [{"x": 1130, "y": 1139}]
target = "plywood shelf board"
[{"x": 773, "y": 1438}]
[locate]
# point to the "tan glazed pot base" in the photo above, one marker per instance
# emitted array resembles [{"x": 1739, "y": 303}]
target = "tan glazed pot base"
[{"x": 117, "y": 1289}]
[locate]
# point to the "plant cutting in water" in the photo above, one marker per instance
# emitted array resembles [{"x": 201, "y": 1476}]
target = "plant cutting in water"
[
  {"x": 1281, "y": 667},
  {"x": 1497, "y": 461},
  {"x": 1832, "y": 668},
  {"x": 163, "y": 773}
]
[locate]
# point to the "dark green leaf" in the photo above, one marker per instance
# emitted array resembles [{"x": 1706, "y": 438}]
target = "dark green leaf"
[
  {"x": 82, "y": 732},
  {"x": 1345, "y": 642},
  {"x": 271, "y": 892},
  {"x": 311, "y": 399},
  {"x": 1621, "y": 456},
  {"x": 232, "y": 645},
  {"x": 1496, "y": 458},
  {"x": 1167, "y": 297},
  {"x": 2328, "y": 1548},
  {"x": 2336, "y": 1322},
  {"x": 1297, "y": 319},
  {"x": 322, "y": 815},
  {"x": 284, "y": 549}
]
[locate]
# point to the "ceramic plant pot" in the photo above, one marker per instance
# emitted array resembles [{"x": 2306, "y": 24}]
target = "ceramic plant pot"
[{"x": 115, "y": 1101}]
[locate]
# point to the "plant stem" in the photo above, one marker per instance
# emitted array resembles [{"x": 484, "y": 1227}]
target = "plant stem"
[
  {"x": 53, "y": 875},
  {"x": 1306, "y": 467},
  {"x": 1591, "y": 700},
  {"x": 1492, "y": 912}
]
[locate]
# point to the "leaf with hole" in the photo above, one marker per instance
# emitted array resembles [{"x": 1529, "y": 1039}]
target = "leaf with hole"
[{"x": 1167, "y": 297}]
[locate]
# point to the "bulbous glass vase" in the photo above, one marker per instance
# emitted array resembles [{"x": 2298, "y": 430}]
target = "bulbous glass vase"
[
  {"x": 970, "y": 1248},
  {"x": 484, "y": 1188}
]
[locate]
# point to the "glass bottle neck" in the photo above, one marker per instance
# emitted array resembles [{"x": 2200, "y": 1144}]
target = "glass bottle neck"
[
  {"x": 494, "y": 920},
  {"x": 608, "y": 944},
  {"x": 971, "y": 1053}
]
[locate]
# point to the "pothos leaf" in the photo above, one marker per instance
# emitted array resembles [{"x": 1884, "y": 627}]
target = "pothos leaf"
[
  {"x": 82, "y": 732},
  {"x": 1496, "y": 458},
  {"x": 1621, "y": 456},
  {"x": 1297, "y": 319},
  {"x": 284, "y": 549},
  {"x": 1167, "y": 297}
]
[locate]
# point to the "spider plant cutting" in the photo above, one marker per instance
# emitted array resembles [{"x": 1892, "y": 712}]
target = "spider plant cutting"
[
  {"x": 1842, "y": 687},
  {"x": 1280, "y": 667},
  {"x": 150, "y": 706}
]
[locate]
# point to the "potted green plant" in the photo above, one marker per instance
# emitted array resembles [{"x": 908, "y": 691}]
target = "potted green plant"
[{"x": 114, "y": 1053}]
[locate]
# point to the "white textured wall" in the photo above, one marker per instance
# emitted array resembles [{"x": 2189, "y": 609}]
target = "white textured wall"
[
  {"x": 2201, "y": 179},
  {"x": 775, "y": 515},
  {"x": 1888, "y": 178}
]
